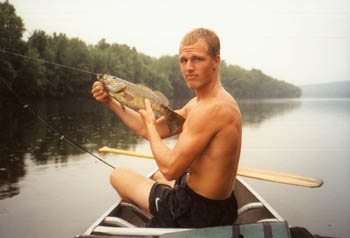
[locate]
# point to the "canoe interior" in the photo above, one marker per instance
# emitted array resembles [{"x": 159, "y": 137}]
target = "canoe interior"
[
  {"x": 245, "y": 195},
  {"x": 131, "y": 214},
  {"x": 258, "y": 210}
]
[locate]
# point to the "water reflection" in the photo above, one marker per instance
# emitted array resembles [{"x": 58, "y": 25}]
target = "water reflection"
[
  {"x": 85, "y": 121},
  {"x": 255, "y": 112},
  {"x": 11, "y": 159}
]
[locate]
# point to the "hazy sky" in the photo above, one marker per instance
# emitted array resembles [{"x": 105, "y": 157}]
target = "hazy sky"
[{"x": 299, "y": 41}]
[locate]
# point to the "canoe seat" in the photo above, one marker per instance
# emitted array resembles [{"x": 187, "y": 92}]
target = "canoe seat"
[
  {"x": 116, "y": 221},
  {"x": 252, "y": 206},
  {"x": 136, "y": 209},
  {"x": 249, "y": 206},
  {"x": 268, "y": 220}
]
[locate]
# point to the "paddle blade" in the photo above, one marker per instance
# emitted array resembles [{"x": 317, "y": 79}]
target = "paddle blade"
[{"x": 280, "y": 177}]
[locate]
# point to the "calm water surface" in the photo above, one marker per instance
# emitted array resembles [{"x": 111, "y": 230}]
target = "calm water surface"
[{"x": 49, "y": 188}]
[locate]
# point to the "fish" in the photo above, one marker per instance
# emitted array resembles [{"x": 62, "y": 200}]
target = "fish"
[{"x": 133, "y": 96}]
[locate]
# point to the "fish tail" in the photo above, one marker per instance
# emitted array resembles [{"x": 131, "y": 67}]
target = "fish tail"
[{"x": 174, "y": 121}]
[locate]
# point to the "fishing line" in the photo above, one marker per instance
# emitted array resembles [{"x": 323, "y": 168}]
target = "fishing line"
[
  {"x": 46, "y": 62},
  {"x": 50, "y": 125}
]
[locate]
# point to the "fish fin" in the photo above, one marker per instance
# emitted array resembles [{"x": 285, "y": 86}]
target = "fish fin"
[
  {"x": 162, "y": 97},
  {"x": 174, "y": 121}
]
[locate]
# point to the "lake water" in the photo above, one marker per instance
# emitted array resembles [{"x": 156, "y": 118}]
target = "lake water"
[{"x": 49, "y": 188}]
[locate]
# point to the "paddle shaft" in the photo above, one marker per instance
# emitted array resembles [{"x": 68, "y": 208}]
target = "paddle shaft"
[{"x": 267, "y": 175}]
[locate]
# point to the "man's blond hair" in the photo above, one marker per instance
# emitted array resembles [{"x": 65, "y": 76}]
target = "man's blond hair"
[{"x": 209, "y": 36}]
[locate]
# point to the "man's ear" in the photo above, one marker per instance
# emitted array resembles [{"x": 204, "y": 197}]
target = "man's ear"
[{"x": 217, "y": 61}]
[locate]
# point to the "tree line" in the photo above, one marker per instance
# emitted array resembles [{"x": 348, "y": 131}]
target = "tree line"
[{"x": 33, "y": 76}]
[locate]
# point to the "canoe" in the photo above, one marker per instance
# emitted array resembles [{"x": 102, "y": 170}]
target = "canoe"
[{"x": 127, "y": 220}]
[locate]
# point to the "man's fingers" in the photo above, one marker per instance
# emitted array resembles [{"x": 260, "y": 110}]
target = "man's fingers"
[
  {"x": 96, "y": 88},
  {"x": 142, "y": 112},
  {"x": 101, "y": 96},
  {"x": 99, "y": 92},
  {"x": 96, "y": 83},
  {"x": 147, "y": 114},
  {"x": 147, "y": 104}
]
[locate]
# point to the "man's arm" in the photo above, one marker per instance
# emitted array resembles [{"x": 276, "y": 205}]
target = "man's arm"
[
  {"x": 197, "y": 133},
  {"x": 131, "y": 118}
]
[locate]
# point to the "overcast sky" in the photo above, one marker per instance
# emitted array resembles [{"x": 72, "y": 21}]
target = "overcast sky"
[{"x": 298, "y": 41}]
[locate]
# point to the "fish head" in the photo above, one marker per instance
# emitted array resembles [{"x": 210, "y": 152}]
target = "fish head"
[{"x": 111, "y": 83}]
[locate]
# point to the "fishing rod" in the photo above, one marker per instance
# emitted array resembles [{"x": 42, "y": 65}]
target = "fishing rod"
[
  {"x": 51, "y": 126},
  {"x": 45, "y": 121}
]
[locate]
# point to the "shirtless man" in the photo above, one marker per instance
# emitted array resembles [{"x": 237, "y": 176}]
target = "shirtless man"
[{"x": 204, "y": 160}]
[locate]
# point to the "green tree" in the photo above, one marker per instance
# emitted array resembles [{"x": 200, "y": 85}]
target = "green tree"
[
  {"x": 30, "y": 80},
  {"x": 40, "y": 41},
  {"x": 11, "y": 30},
  {"x": 169, "y": 66}
]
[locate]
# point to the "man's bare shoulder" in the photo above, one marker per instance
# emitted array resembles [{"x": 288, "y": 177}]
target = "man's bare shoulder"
[
  {"x": 223, "y": 107},
  {"x": 229, "y": 106},
  {"x": 191, "y": 103},
  {"x": 214, "y": 114},
  {"x": 185, "y": 110}
]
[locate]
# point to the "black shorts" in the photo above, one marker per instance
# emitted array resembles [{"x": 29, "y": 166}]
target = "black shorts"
[{"x": 180, "y": 207}]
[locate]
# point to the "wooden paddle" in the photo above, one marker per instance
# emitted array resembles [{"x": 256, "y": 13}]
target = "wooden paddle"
[{"x": 267, "y": 175}]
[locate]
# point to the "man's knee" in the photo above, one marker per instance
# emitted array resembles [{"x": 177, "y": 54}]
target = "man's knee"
[
  {"x": 119, "y": 180},
  {"x": 131, "y": 186},
  {"x": 119, "y": 175}
]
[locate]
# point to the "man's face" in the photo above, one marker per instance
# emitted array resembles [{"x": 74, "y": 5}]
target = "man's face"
[{"x": 197, "y": 67}]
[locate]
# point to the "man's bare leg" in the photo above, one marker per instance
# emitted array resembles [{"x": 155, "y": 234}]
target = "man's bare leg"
[{"x": 132, "y": 187}]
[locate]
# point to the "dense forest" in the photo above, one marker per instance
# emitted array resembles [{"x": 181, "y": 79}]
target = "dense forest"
[{"x": 33, "y": 76}]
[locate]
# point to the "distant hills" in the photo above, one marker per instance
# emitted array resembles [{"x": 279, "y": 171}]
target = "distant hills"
[{"x": 340, "y": 89}]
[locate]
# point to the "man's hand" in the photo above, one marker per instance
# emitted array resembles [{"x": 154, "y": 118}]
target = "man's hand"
[
  {"x": 147, "y": 115},
  {"x": 100, "y": 93}
]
